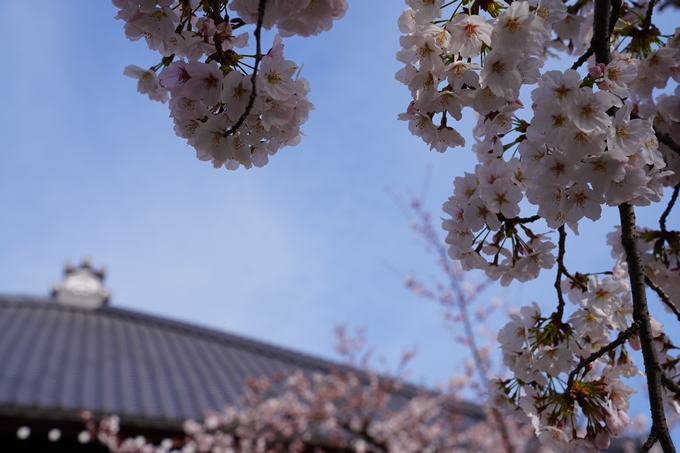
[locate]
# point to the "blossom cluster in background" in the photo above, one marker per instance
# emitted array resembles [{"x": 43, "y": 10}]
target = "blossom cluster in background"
[
  {"x": 209, "y": 84},
  {"x": 342, "y": 409}
]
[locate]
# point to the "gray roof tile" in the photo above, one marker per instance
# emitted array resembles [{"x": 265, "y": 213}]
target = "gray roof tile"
[{"x": 112, "y": 360}]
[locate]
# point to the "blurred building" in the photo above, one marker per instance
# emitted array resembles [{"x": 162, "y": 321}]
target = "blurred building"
[{"x": 72, "y": 351}]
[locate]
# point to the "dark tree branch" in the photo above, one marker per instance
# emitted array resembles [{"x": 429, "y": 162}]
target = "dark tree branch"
[
  {"x": 663, "y": 296},
  {"x": 667, "y": 140},
  {"x": 671, "y": 203},
  {"x": 518, "y": 220},
  {"x": 604, "y": 22},
  {"x": 649, "y": 443},
  {"x": 600, "y": 41},
  {"x": 614, "y": 17},
  {"x": 582, "y": 59},
  {"x": 531, "y": 219},
  {"x": 620, "y": 339},
  {"x": 641, "y": 317},
  {"x": 647, "y": 22},
  {"x": 560, "y": 270},
  {"x": 253, "y": 78},
  {"x": 600, "y": 44},
  {"x": 670, "y": 384}
]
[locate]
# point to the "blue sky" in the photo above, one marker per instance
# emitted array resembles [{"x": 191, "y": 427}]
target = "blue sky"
[{"x": 91, "y": 168}]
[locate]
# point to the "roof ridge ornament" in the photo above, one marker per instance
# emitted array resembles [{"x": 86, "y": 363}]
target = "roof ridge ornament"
[{"x": 82, "y": 286}]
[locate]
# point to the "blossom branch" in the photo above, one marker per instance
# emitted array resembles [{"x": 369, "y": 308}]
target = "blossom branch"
[
  {"x": 641, "y": 317},
  {"x": 667, "y": 211},
  {"x": 601, "y": 38},
  {"x": 667, "y": 140},
  {"x": 647, "y": 22},
  {"x": 363, "y": 433},
  {"x": 560, "y": 271},
  {"x": 518, "y": 220},
  {"x": 598, "y": 43},
  {"x": 253, "y": 77},
  {"x": 582, "y": 59},
  {"x": 663, "y": 296},
  {"x": 620, "y": 340},
  {"x": 670, "y": 384},
  {"x": 480, "y": 363},
  {"x": 424, "y": 227},
  {"x": 649, "y": 443}
]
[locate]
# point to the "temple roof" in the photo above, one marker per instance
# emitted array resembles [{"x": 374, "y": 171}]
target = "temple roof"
[{"x": 57, "y": 359}]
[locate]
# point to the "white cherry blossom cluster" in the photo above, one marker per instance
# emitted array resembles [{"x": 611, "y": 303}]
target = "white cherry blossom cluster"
[
  {"x": 210, "y": 85},
  {"x": 601, "y": 136},
  {"x": 543, "y": 352},
  {"x": 573, "y": 156}
]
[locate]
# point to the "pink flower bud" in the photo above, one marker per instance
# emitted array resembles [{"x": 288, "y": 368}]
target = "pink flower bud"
[
  {"x": 595, "y": 72},
  {"x": 617, "y": 422},
  {"x": 657, "y": 328},
  {"x": 634, "y": 343}
]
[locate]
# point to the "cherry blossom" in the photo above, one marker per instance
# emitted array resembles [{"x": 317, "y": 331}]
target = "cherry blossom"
[
  {"x": 233, "y": 113},
  {"x": 595, "y": 136}
]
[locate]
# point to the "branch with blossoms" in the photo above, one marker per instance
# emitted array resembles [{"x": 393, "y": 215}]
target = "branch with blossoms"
[
  {"x": 597, "y": 138},
  {"x": 233, "y": 111},
  {"x": 468, "y": 316}
]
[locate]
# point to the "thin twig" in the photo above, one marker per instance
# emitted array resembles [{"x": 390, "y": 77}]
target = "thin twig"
[
  {"x": 560, "y": 270},
  {"x": 663, "y": 296},
  {"x": 582, "y": 59},
  {"x": 647, "y": 22},
  {"x": 533, "y": 218},
  {"x": 667, "y": 140},
  {"x": 620, "y": 339},
  {"x": 253, "y": 78},
  {"x": 517, "y": 220},
  {"x": 671, "y": 203}
]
